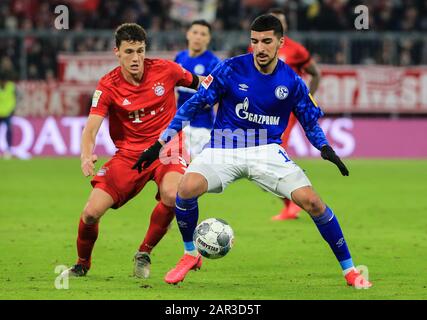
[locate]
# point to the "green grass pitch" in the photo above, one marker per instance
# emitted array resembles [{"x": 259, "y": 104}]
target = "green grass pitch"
[{"x": 381, "y": 206}]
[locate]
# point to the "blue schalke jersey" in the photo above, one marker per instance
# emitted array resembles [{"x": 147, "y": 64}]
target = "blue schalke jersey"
[
  {"x": 201, "y": 65},
  {"x": 254, "y": 108}
]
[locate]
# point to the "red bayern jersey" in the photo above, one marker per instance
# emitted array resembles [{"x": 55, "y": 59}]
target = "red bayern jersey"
[
  {"x": 138, "y": 114},
  {"x": 295, "y": 55}
]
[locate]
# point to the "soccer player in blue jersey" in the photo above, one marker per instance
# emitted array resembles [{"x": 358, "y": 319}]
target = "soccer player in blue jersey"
[
  {"x": 256, "y": 94},
  {"x": 201, "y": 61}
]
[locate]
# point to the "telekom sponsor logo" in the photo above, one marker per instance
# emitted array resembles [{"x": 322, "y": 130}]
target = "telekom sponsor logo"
[{"x": 61, "y": 136}]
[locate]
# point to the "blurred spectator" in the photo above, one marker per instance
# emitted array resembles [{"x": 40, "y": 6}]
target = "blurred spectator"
[
  {"x": 423, "y": 16},
  {"x": 231, "y": 15},
  {"x": 332, "y": 15},
  {"x": 7, "y": 68},
  {"x": 410, "y": 20},
  {"x": 7, "y": 107},
  {"x": 385, "y": 19}
]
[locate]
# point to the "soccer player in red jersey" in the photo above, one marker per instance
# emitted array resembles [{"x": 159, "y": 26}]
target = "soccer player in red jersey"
[
  {"x": 298, "y": 58},
  {"x": 138, "y": 96}
]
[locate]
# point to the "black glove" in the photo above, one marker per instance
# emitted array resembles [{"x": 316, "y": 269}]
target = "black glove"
[
  {"x": 148, "y": 156},
  {"x": 328, "y": 153}
]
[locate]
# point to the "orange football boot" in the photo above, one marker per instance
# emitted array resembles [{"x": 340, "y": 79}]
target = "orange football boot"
[
  {"x": 355, "y": 279},
  {"x": 185, "y": 264}
]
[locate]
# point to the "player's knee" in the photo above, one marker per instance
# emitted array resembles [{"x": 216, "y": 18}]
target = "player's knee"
[
  {"x": 185, "y": 191},
  {"x": 192, "y": 185},
  {"x": 91, "y": 214},
  {"x": 314, "y": 205},
  {"x": 168, "y": 196}
]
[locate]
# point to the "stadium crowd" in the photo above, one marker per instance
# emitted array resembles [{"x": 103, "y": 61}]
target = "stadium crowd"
[
  {"x": 326, "y": 15},
  {"x": 230, "y": 15}
]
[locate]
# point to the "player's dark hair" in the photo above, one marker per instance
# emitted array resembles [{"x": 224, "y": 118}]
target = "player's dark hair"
[
  {"x": 267, "y": 22},
  {"x": 276, "y": 10},
  {"x": 130, "y": 32},
  {"x": 202, "y": 23}
]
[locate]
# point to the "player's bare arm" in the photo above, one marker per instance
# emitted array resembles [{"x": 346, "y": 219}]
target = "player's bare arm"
[
  {"x": 215, "y": 107},
  {"x": 313, "y": 70},
  {"x": 200, "y": 79},
  {"x": 87, "y": 157}
]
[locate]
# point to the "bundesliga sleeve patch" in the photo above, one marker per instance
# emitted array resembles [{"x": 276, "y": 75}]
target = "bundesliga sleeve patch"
[
  {"x": 207, "y": 82},
  {"x": 95, "y": 98},
  {"x": 312, "y": 99}
]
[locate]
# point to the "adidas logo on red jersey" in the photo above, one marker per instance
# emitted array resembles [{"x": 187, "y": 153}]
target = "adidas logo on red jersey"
[{"x": 125, "y": 102}]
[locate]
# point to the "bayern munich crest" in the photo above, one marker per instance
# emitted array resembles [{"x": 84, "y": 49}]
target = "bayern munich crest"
[
  {"x": 281, "y": 92},
  {"x": 159, "y": 89}
]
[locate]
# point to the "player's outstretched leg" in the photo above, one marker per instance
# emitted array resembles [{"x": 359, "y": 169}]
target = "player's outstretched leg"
[
  {"x": 160, "y": 220},
  {"x": 329, "y": 228},
  {"x": 290, "y": 211},
  {"x": 187, "y": 214},
  {"x": 98, "y": 203},
  {"x": 164, "y": 212}
]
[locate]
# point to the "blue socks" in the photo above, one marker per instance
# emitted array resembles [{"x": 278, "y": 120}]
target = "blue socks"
[
  {"x": 187, "y": 214},
  {"x": 330, "y": 230}
]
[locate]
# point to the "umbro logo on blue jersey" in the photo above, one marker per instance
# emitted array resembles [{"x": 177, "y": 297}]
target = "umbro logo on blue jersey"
[{"x": 243, "y": 87}]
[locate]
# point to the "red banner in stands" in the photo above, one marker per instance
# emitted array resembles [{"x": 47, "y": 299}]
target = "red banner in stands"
[
  {"x": 373, "y": 89},
  {"x": 343, "y": 89},
  {"x": 85, "y": 68},
  {"x": 90, "y": 67},
  {"x": 42, "y": 99}
]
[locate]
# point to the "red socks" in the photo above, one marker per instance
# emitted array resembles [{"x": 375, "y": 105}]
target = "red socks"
[
  {"x": 161, "y": 217},
  {"x": 286, "y": 201},
  {"x": 87, "y": 235}
]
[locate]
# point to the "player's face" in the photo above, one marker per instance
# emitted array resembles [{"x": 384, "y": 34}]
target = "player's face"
[
  {"x": 198, "y": 37},
  {"x": 265, "y": 46},
  {"x": 131, "y": 56}
]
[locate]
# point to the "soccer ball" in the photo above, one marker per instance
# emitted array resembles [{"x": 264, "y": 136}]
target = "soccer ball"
[{"x": 213, "y": 238}]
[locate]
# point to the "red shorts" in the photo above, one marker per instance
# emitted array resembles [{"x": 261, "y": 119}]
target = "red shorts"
[{"x": 122, "y": 183}]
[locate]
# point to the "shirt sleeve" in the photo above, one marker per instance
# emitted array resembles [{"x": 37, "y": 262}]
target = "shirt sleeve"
[
  {"x": 209, "y": 93},
  {"x": 101, "y": 101},
  {"x": 308, "y": 114},
  {"x": 182, "y": 76}
]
